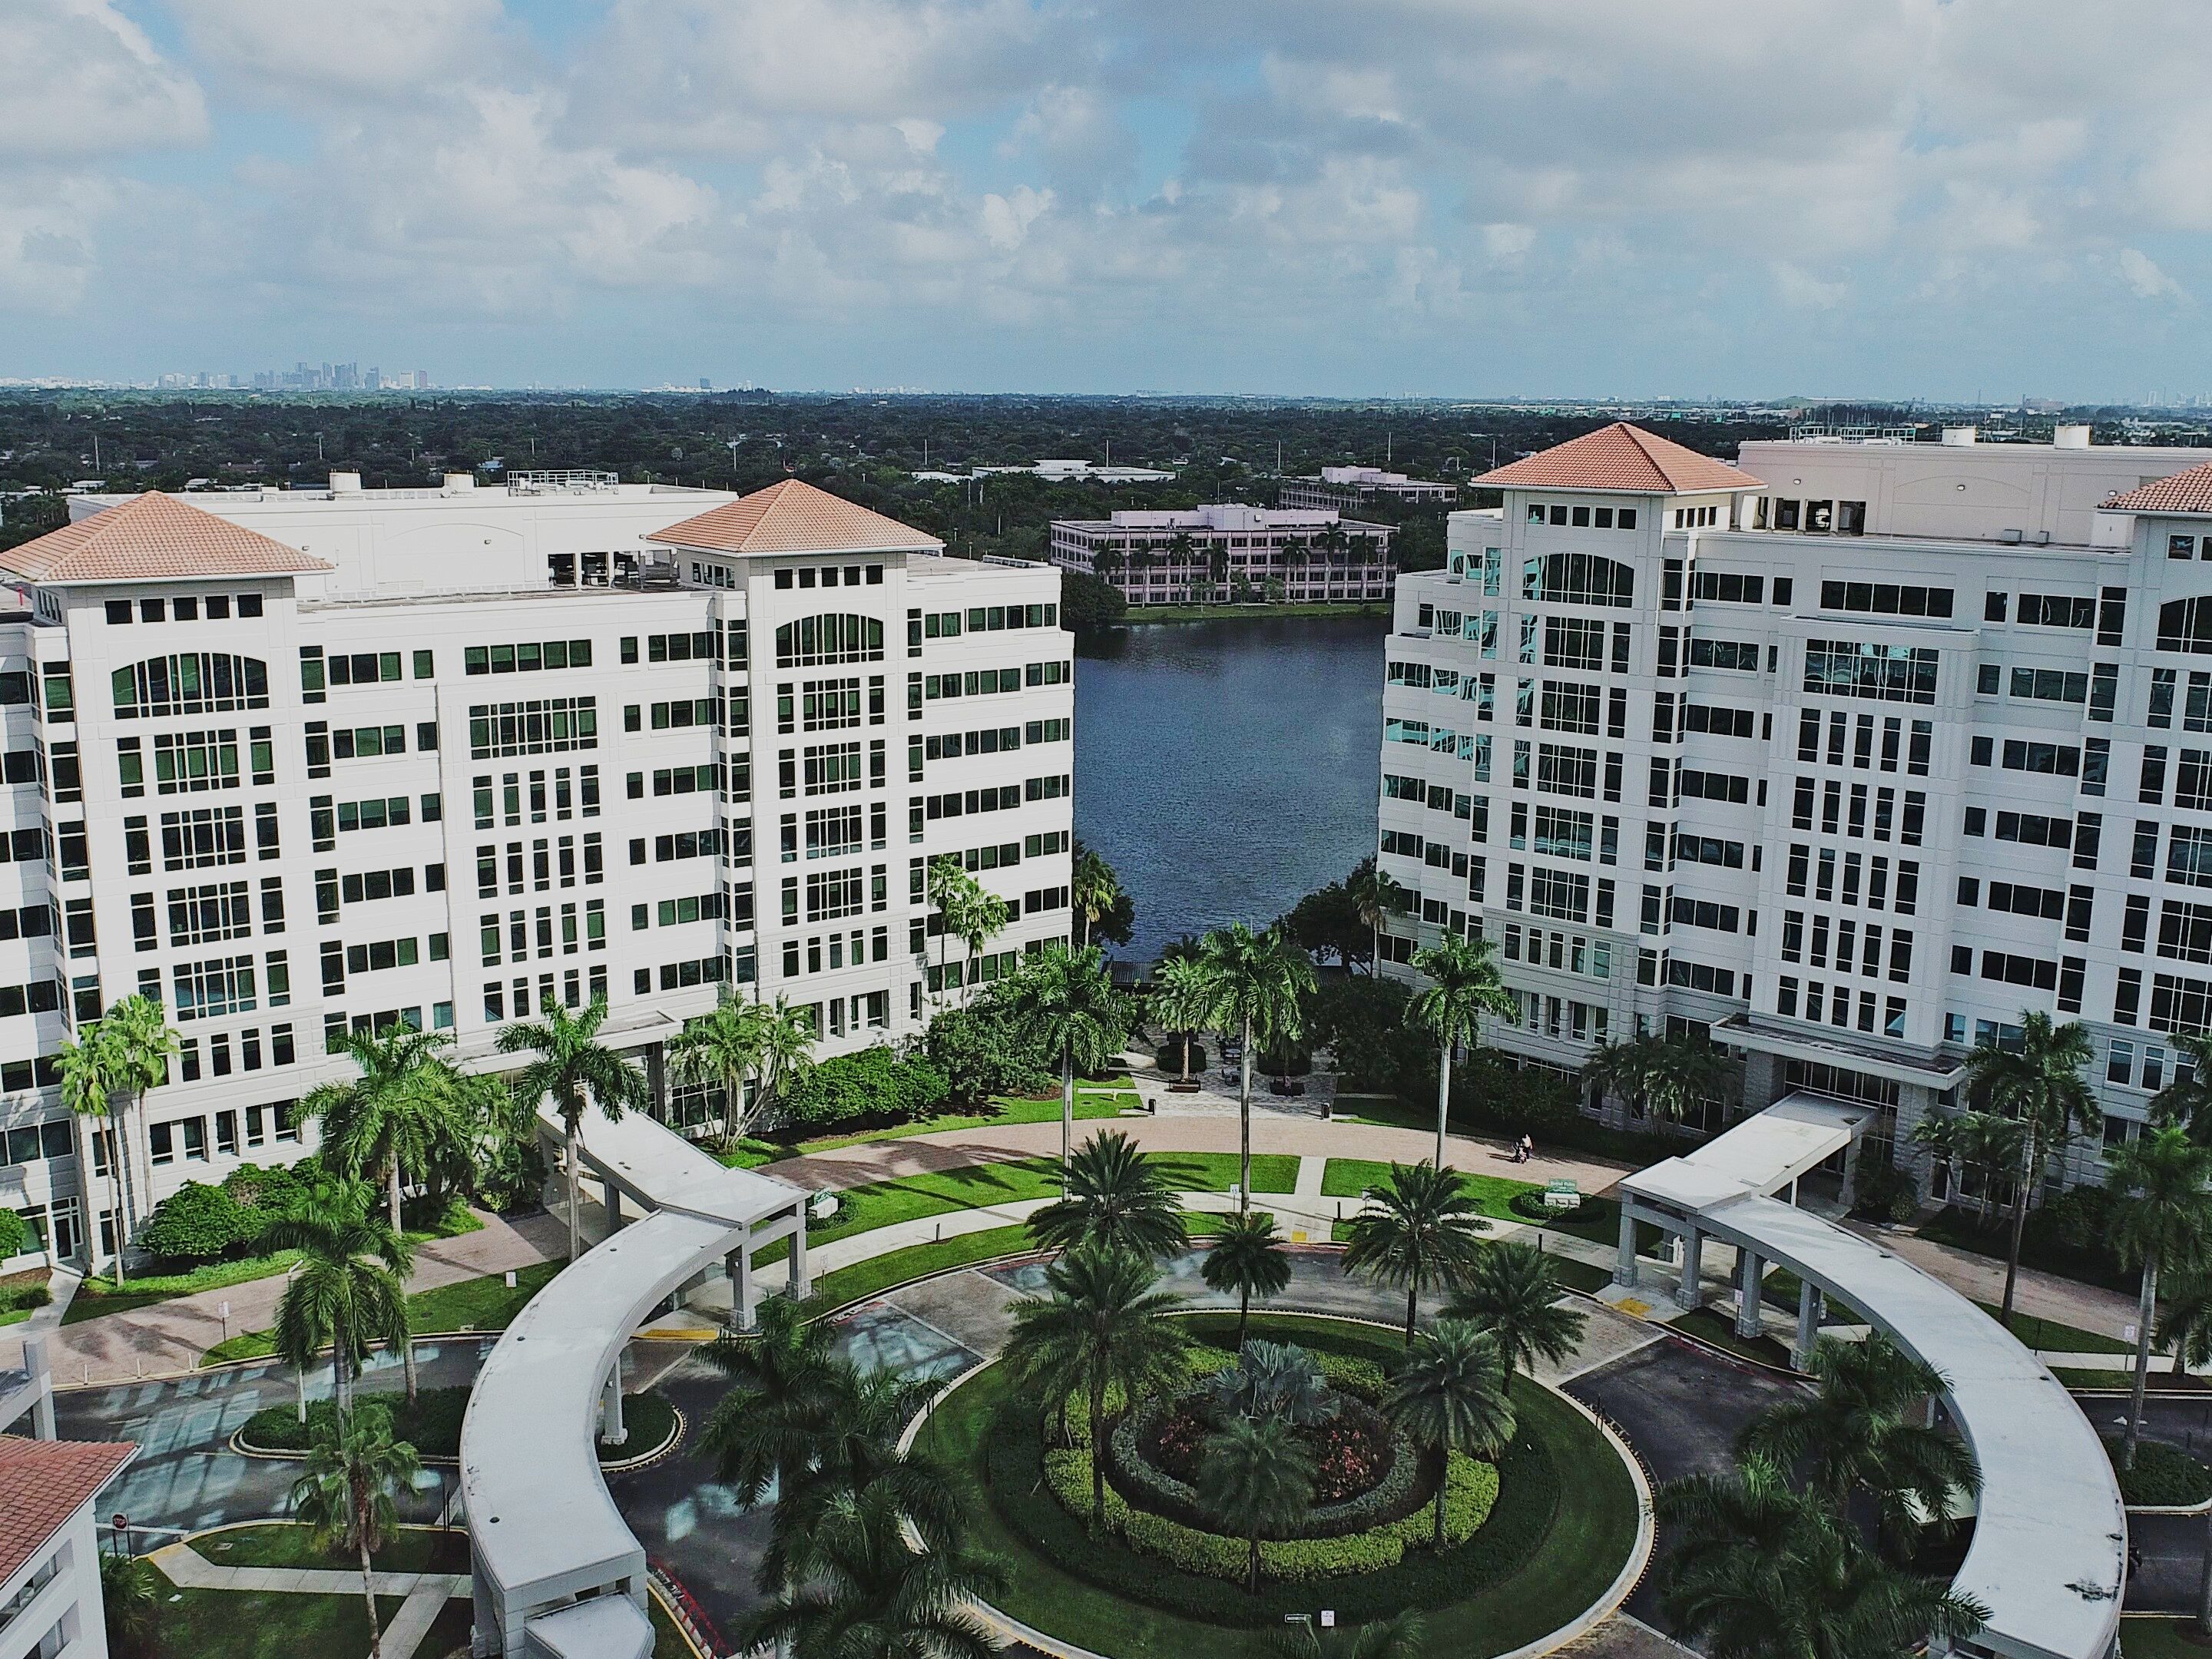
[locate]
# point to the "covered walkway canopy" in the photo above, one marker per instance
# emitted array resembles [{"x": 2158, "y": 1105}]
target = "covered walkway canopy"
[
  {"x": 557, "y": 1571},
  {"x": 2049, "y": 1553}
]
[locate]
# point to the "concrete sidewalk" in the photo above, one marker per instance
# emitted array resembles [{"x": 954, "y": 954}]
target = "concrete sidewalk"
[
  {"x": 168, "y": 1337},
  {"x": 424, "y": 1594}
]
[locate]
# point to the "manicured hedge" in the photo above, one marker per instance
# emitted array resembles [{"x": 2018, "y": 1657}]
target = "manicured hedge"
[{"x": 2164, "y": 1475}]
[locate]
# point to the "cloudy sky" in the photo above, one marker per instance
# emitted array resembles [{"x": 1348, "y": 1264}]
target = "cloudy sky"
[{"x": 1897, "y": 198}]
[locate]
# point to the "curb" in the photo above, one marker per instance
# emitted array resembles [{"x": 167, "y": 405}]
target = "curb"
[{"x": 435, "y": 1461}]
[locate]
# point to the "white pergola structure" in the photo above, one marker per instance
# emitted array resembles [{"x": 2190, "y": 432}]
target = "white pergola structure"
[
  {"x": 2049, "y": 1554},
  {"x": 558, "y": 1574}
]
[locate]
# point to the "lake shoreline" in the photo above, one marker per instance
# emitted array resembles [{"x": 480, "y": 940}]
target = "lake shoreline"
[{"x": 1162, "y": 615}]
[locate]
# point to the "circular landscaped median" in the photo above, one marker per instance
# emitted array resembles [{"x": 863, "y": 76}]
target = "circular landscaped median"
[{"x": 1532, "y": 1541}]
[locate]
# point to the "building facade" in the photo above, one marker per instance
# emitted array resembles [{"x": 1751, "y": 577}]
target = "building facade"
[
  {"x": 50, "y": 1595},
  {"x": 1846, "y": 758},
  {"x": 1348, "y": 489},
  {"x": 1203, "y": 555},
  {"x": 434, "y": 762}
]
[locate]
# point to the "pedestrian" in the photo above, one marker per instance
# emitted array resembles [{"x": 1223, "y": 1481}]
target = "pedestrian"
[{"x": 1527, "y": 1149}]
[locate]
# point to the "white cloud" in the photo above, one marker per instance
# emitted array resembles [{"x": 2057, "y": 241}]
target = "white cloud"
[
  {"x": 2144, "y": 279},
  {"x": 77, "y": 78},
  {"x": 1006, "y": 220},
  {"x": 286, "y": 50},
  {"x": 1801, "y": 290},
  {"x": 1505, "y": 243}
]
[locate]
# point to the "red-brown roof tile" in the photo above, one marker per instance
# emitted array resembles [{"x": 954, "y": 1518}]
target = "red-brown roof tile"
[
  {"x": 2185, "y": 492},
  {"x": 1624, "y": 458},
  {"x": 150, "y": 537},
  {"x": 793, "y": 517},
  {"x": 43, "y": 1483}
]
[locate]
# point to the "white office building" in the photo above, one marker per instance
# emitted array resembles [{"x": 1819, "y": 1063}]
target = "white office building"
[
  {"x": 1846, "y": 755},
  {"x": 1348, "y": 489},
  {"x": 50, "y": 1597},
  {"x": 305, "y": 762},
  {"x": 1185, "y": 556}
]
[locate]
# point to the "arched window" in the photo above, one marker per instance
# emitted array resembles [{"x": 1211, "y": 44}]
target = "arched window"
[
  {"x": 2186, "y": 625},
  {"x": 1578, "y": 579},
  {"x": 833, "y": 637},
  {"x": 191, "y": 683}
]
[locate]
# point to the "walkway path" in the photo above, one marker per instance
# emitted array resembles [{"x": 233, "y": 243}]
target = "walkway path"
[
  {"x": 424, "y": 1593},
  {"x": 168, "y": 1337}
]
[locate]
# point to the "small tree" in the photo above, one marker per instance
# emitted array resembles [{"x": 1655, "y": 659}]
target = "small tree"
[
  {"x": 1182, "y": 1001},
  {"x": 1418, "y": 1231},
  {"x": 2162, "y": 1219},
  {"x": 1450, "y": 1396},
  {"x": 1256, "y": 984},
  {"x": 1666, "y": 1078},
  {"x": 1114, "y": 1197},
  {"x": 570, "y": 1067},
  {"x": 1247, "y": 1256},
  {"x": 348, "y": 1288},
  {"x": 345, "y": 1498},
  {"x": 1064, "y": 1003},
  {"x": 87, "y": 1071},
  {"x": 1256, "y": 1478},
  {"x": 1464, "y": 985},
  {"x": 1508, "y": 1291},
  {"x": 721, "y": 1050},
  {"x": 2037, "y": 1082}
]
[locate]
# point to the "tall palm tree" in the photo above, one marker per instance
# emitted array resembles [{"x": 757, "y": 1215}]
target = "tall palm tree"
[
  {"x": 2039, "y": 1082},
  {"x": 397, "y": 1117},
  {"x": 1256, "y": 982},
  {"x": 1376, "y": 896},
  {"x": 1113, "y": 1197},
  {"x": 135, "y": 1042},
  {"x": 1417, "y": 1231},
  {"x": 788, "y": 1037},
  {"x": 872, "y": 1595},
  {"x": 348, "y": 1288},
  {"x": 1181, "y": 1000},
  {"x": 1450, "y": 1396},
  {"x": 1400, "y": 1635},
  {"x": 1761, "y": 1571},
  {"x": 954, "y": 891},
  {"x": 2161, "y": 1218},
  {"x": 721, "y": 1050},
  {"x": 1256, "y": 1478},
  {"x": 392, "y": 1120},
  {"x": 1064, "y": 1003},
  {"x": 1861, "y": 1432},
  {"x": 1663, "y": 1076},
  {"x": 2187, "y": 1100},
  {"x": 1247, "y": 1257},
  {"x": 1104, "y": 1325},
  {"x": 982, "y": 918},
  {"x": 570, "y": 1067},
  {"x": 1094, "y": 890},
  {"x": 763, "y": 1434},
  {"x": 87, "y": 1073},
  {"x": 2185, "y": 1320},
  {"x": 354, "y": 1466},
  {"x": 1464, "y": 985},
  {"x": 1510, "y": 1292}
]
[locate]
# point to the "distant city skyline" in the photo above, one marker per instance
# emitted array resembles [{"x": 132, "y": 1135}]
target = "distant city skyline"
[{"x": 1936, "y": 199}]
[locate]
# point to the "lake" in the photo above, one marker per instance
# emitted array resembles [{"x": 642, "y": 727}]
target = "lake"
[{"x": 1226, "y": 769}]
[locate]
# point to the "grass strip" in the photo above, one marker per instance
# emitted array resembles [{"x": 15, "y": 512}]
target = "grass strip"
[
  {"x": 2049, "y": 1336},
  {"x": 468, "y": 1304}
]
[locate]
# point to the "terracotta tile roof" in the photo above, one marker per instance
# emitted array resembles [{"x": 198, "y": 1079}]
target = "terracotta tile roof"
[
  {"x": 1621, "y": 456},
  {"x": 43, "y": 1483},
  {"x": 2185, "y": 492},
  {"x": 151, "y": 537},
  {"x": 793, "y": 517}
]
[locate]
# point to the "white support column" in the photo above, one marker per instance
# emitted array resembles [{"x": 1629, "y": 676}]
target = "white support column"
[
  {"x": 1694, "y": 1261},
  {"x": 611, "y": 1431},
  {"x": 1624, "y": 1266},
  {"x": 613, "y": 1196},
  {"x": 1809, "y": 1325},
  {"x": 802, "y": 1283},
  {"x": 42, "y": 1379},
  {"x": 1750, "y": 1273},
  {"x": 740, "y": 1264}
]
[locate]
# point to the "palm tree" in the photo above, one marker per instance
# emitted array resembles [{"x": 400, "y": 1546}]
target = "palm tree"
[
  {"x": 763, "y": 1434},
  {"x": 2039, "y": 1082},
  {"x": 139, "y": 1035},
  {"x": 86, "y": 1070},
  {"x": 952, "y": 890},
  {"x": 1094, "y": 890},
  {"x": 2187, "y": 1100},
  {"x": 345, "y": 1497},
  {"x": 1375, "y": 896},
  {"x": 2184, "y": 1323},
  {"x": 395, "y": 1116},
  {"x": 1418, "y": 1231},
  {"x": 1464, "y": 985},
  {"x": 129, "y": 1602},
  {"x": 1861, "y": 1430},
  {"x": 872, "y": 1596},
  {"x": 1103, "y": 1325},
  {"x": 124, "y": 1052},
  {"x": 1112, "y": 1196},
  {"x": 1663, "y": 1076},
  {"x": 348, "y": 1288},
  {"x": 721, "y": 1050},
  {"x": 1064, "y": 1003},
  {"x": 982, "y": 918},
  {"x": 1450, "y": 1396},
  {"x": 1256, "y": 1478},
  {"x": 400, "y": 1115},
  {"x": 1255, "y": 981},
  {"x": 1183, "y": 1000},
  {"x": 787, "y": 1036},
  {"x": 572, "y": 1069},
  {"x": 1247, "y": 1257},
  {"x": 1764, "y": 1572},
  {"x": 1508, "y": 1291},
  {"x": 1400, "y": 1635},
  {"x": 2162, "y": 1217}
]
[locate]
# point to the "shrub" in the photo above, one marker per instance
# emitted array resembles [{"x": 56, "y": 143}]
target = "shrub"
[
  {"x": 25, "y": 1296},
  {"x": 1169, "y": 1056},
  {"x": 198, "y": 1223},
  {"x": 2164, "y": 1475},
  {"x": 274, "y": 1193},
  {"x": 980, "y": 1055},
  {"x": 14, "y": 1237},
  {"x": 1531, "y": 1206},
  {"x": 875, "y": 1086},
  {"x": 1883, "y": 1192}
]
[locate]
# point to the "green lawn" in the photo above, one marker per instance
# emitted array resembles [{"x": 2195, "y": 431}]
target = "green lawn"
[
  {"x": 198, "y": 1623},
  {"x": 1718, "y": 1329},
  {"x": 2162, "y": 1638},
  {"x": 1217, "y": 1172},
  {"x": 879, "y": 1274},
  {"x": 287, "y": 1544},
  {"x": 2121, "y": 1381},
  {"x": 2049, "y": 1336},
  {"x": 1592, "y": 1528},
  {"x": 936, "y": 1191},
  {"x": 1960, "y": 1229},
  {"x": 1350, "y": 1177},
  {"x": 1105, "y": 1098},
  {"x": 669, "y": 1642},
  {"x": 468, "y": 1304}
]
